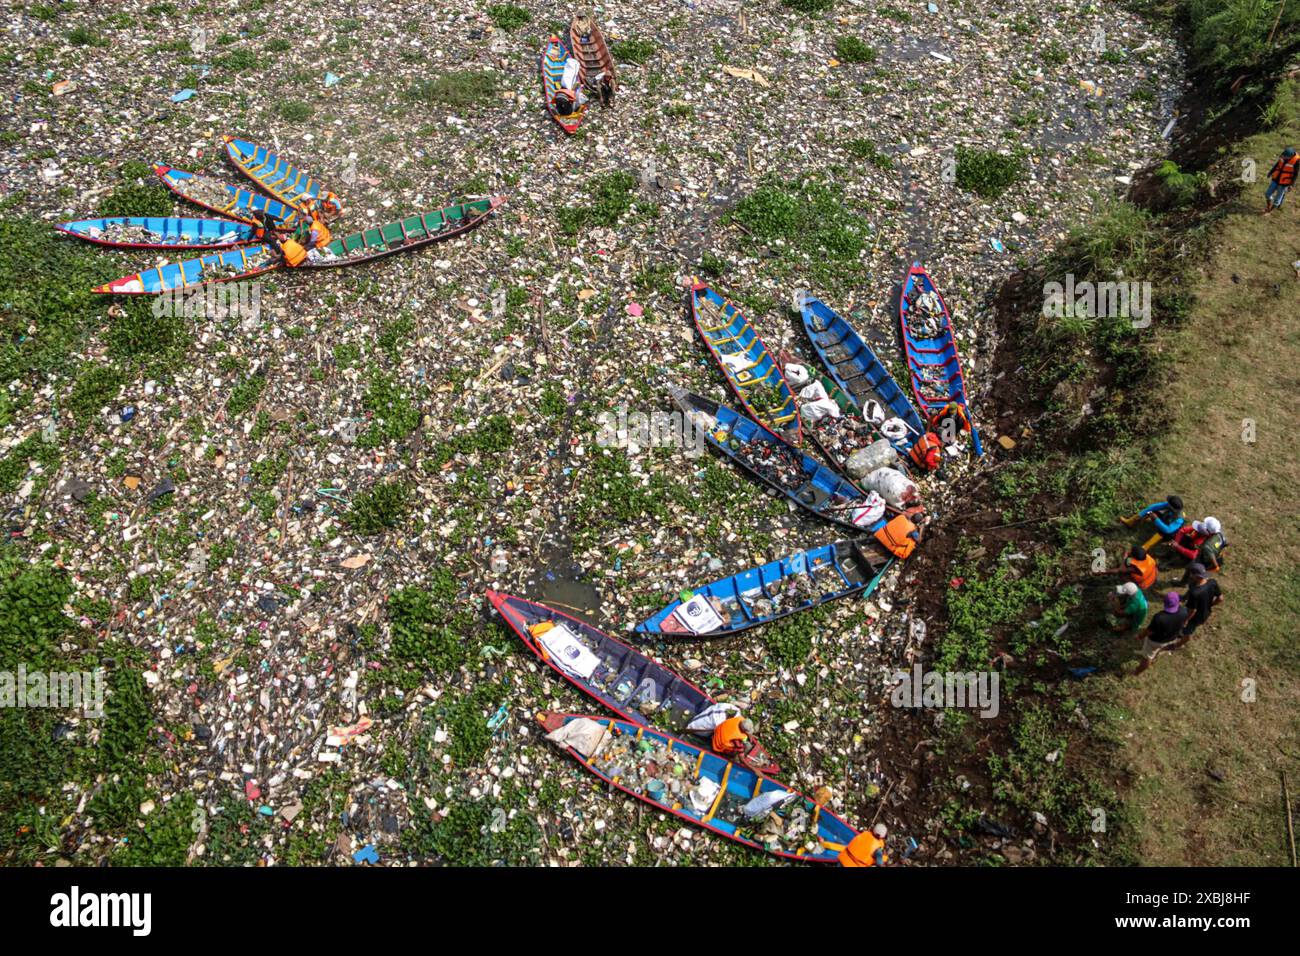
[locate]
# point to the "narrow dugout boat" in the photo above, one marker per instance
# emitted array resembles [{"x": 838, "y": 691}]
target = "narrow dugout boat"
[
  {"x": 247, "y": 261},
  {"x": 858, "y": 371},
  {"x": 241, "y": 262},
  {"x": 931, "y": 349},
  {"x": 279, "y": 177},
  {"x": 702, "y": 788},
  {"x": 773, "y": 590},
  {"x": 811, "y": 485},
  {"x": 589, "y": 47},
  {"x": 750, "y": 368},
  {"x": 403, "y": 235},
  {"x": 636, "y": 687},
  {"x": 551, "y": 66},
  {"x": 223, "y": 198},
  {"x": 161, "y": 232}
]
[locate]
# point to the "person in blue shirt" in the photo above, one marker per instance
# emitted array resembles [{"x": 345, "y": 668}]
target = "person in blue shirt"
[{"x": 1166, "y": 516}]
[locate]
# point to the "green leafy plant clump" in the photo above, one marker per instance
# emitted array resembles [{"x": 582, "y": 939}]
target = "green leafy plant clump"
[
  {"x": 632, "y": 51},
  {"x": 507, "y": 16},
  {"x": 379, "y": 508},
  {"x": 850, "y": 49},
  {"x": 613, "y": 196},
  {"x": 987, "y": 173},
  {"x": 457, "y": 90}
]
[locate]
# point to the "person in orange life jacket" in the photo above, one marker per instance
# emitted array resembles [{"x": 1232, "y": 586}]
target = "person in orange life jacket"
[
  {"x": 308, "y": 234},
  {"x": 731, "y": 737},
  {"x": 1166, "y": 516},
  {"x": 867, "y": 848},
  {"x": 948, "y": 421},
  {"x": 570, "y": 97},
  {"x": 266, "y": 225},
  {"x": 927, "y": 452},
  {"x": 1139, "y": 567},
  {"x": 1280, "y": 179},
  {"x": 900, "y": 536}
]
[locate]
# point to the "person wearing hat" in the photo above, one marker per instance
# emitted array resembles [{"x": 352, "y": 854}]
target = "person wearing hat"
[
  {"x": 1139, "y": 567},
  {"x": 1190, "y": 537},
  {"x": 1164, "y": 631},
  {"x": 731, "y": 737},
  {"x": 867, "y": 848},
  {"x": 1166, "y": 516},
  {"x": 1131, "y": 607},
  {"x": 1199, "y": 599},
  {"x": 1280, "y": 179}
]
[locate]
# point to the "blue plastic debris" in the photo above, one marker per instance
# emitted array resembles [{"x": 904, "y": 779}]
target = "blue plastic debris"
[
  {"x": 996, "y": 245},
  {"x": 183, "y": 95},
  {"x": 127, "y": 413},
  {"x": 366, "y": 854},
  {"x": 331, "y": 80}
]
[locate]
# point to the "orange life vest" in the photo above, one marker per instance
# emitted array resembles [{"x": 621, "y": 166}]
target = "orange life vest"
[
  {"x": 954, "y": 411},
  {"x": 1284, "y": 170},
  {"x": 927, "y": 452},
  {"x": 294, "y": 253},
  {"x": 897, "y": 537},
  {"x": 861, "y": 850},
  {"x": 319, "y": 230},
  {"x": 728, "y": 738},
  {"x": 1142, "y": 572}
]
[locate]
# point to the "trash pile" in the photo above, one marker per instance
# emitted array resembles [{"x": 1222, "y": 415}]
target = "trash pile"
[{"x": 354, "y": 465}]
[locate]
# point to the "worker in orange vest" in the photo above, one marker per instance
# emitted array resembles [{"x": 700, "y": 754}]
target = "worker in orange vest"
[
  {"x": 1139, "y": 567},
  {"x": 1280, "y": 179},
  {"x": 731, "y": 737},
  {"x": 927, "y": 452},
  {"x": 867, "y": 848},
  {"x": 309, "y": 234},
  {"x": 899, "y": 537},
  {"x": 948, "y": 421}
]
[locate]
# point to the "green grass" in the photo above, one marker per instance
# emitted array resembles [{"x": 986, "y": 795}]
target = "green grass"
[
  {"x": 395, "y": 416},
  {"x": 507, "y": 16},
  {"x": 987, "y": 173},
  {"x": 295, "y": 111},
  {"x": 850, "y": 49},
  {"x": 457, "y": 90},
  {"x": 379, "y": 508},
  {"x": 632, "y": 50},
  {"x": 613, "y": 196}
]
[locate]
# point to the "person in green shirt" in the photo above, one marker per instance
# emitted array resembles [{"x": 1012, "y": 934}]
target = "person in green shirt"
[{"x": 1131, "y": 608}]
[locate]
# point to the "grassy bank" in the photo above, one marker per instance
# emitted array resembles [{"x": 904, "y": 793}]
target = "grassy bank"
[{"x": 1180, "y": 765}]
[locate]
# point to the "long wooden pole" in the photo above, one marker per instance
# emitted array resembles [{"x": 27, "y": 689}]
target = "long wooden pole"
[
  {"x": 1280, "y": 9},
  {"x": 1290, "y": 824}
]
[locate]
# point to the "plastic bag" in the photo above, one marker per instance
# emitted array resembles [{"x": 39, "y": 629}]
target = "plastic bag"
[
  {"x": 895, "y": 487},
  {"x": 797, "y": 375}
]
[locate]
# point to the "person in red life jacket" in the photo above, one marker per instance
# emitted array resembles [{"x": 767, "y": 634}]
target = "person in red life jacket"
[
  {"x": 927, "y": 452},
  {"x": 731, "y": 737},
  {"x": 1280, "y": 179},
  {"x": 867, "y": 848},
  {"x": 948, "y": 421}
]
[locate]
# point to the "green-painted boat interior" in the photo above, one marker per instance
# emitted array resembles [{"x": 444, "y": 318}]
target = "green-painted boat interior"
[{"x": 411, "y": 228}]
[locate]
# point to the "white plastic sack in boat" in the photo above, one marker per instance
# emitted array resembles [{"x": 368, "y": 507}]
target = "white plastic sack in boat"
[
  {"x": 736, "y": 361},
  {"x": 894, "y": 486},
  {"x": 895, "y": 429},
  {"x": 765, "y": 803},
  {"x": 569, "y": 653},
  {"x": 583, "y": 734},
  {"x": 698, "y": 616},
  {"x": 710, "y": 717},
  {"x": 813, "y": 393},
  {"x": 873, "y": 411},
  {"x": 702, "y": 796},
  {"x": 879, "y": 454},
  {"x": 816, "y": 411},
  {"x": 797, "y": 375},
  {"x": 869, "y": 512}
]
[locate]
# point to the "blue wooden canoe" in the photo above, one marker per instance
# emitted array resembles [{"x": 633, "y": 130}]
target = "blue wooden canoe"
[
  {"x": 641, "y": 762},
  {"x": 223, "y": 198},
  {"x": 811, "y": 485},
  {"x": 551, "y": 66},
  {"x": 773, "y": 590},
  {"x": 855, "y": 367},
  {"x": 932, "y": 359},
  {"x": 632, "y": 685},
  {"x": 750, "y": 368},
  {"x": 158, "y": 232},
  {"x": 279, "y": 177},
  {"x": 241, "y": 262}
]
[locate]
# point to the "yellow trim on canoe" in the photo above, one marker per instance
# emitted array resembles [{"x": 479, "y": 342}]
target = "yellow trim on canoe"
[{"x": 722, "y": 792}]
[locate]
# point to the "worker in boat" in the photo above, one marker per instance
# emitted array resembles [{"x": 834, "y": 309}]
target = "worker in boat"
[
  {"x": 307, "y": 234},
  {"x": 948, "y": 421},
  {"x": 867, "y": 848},
  {"x": 1166, "y": 516},
  {"x": 570, "y": 97},
  {"x": 732, "y": 737},
  {"x": 266, "y": 225},
  {"x": 1280, "y": 178},
  {"x": 329, "y": 204},
  {"x": 900, "y": 536},
  {"x": 927, "y": 452}
]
